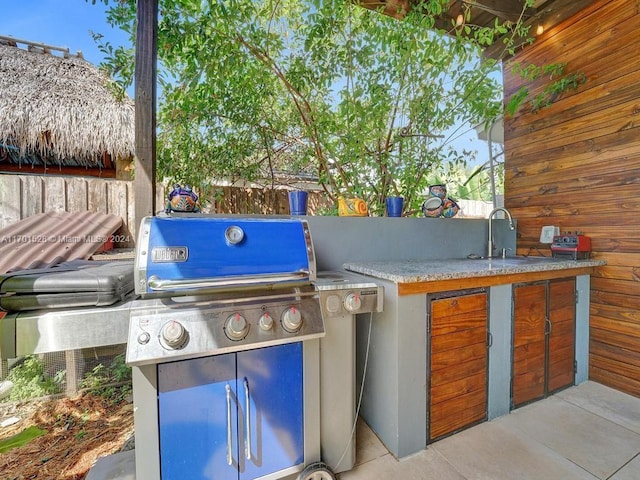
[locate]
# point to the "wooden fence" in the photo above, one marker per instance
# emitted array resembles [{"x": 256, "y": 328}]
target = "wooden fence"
[{"x": 24, "y": 195}]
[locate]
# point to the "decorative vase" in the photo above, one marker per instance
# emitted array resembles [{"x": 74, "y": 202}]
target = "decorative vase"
[{"x": 352, "y": 207}]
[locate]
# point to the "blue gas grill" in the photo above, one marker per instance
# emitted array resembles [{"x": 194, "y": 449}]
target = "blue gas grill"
[{"x": 224, "y": 345}]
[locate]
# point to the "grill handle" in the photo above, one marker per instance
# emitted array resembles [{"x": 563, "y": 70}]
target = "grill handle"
[
  {"x": 158, "y": 285},
  {"x": 229, "y": 443},
  {"x": 248, "y": 417}
]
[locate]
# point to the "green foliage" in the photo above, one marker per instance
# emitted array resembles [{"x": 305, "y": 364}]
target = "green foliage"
[
  {"x": 21, "y": 438},
  {"x": 558, "y": 85},
  {"x": 112, "y": 383},
  {"x": 363, "y": 101},
  {"x": 29, "y": 380}
]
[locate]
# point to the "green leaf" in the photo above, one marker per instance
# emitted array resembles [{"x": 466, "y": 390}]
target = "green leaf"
[{"x": 20, "y": 439}]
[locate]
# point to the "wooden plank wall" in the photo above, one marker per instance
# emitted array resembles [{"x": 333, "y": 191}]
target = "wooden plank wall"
[{"x": 576, "y": 165}]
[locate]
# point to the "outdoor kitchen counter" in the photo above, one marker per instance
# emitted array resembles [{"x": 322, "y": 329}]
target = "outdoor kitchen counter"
[
  {"x": 426, "y": 276},
  {"x": 396, "y": 394}
]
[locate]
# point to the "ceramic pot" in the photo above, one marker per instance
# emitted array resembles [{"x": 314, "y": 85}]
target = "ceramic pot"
[
  {"x": 450, "y": 208},
  {"x": 432, "y": 207},
  {"x": 439, "y": 191},
  {"x": 352, "y": 207}
]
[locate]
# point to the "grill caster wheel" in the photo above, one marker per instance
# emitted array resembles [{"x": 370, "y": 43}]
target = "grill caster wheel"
[{"x": 316, "y": 471}]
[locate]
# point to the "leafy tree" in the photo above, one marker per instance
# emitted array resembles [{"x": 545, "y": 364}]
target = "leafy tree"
[{"x": 367, "y": 103}]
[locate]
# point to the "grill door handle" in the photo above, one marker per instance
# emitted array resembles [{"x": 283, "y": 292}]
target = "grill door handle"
[
  {"x": 158, "y": 285},
  {"x": 247, "y": 440},
  {"x": 229, "y": 436}
]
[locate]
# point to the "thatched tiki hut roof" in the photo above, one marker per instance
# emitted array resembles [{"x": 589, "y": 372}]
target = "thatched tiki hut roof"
[{"x": 60, "y": 110}]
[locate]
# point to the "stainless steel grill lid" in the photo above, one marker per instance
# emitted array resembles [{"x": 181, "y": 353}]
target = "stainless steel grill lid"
[
  {"x": 213, "y": 285},
  {"x": 199, "y": 253}
]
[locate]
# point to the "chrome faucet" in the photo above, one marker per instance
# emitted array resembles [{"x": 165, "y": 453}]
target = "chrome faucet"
[{"x": 490, "y": 245}]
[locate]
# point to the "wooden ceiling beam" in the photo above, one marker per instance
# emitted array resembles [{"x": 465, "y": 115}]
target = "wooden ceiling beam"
[{"x": 549, "y": 15}]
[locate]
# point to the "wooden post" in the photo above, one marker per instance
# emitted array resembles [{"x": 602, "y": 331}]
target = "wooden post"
[
  {"x": 74, "y": 373},
  {"x": 145, "y": 97}
]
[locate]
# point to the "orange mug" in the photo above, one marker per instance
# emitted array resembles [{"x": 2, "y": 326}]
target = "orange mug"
[{"x": 352, "y": 207}]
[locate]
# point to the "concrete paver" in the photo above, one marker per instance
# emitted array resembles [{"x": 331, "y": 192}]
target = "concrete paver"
[{"x": 586, "y": 432}]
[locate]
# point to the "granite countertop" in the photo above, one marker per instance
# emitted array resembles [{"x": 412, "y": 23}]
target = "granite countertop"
[{"x": 414, "y": 271}]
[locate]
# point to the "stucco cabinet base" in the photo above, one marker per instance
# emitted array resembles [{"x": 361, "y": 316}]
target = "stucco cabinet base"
[{"x": 395, "y": 402}]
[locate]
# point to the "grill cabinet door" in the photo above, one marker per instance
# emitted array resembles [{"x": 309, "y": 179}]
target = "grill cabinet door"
[
  {"x": 273, "y": 390},
  {"x": 194, "y": 411},
  {"x": 202, "y": 405}
]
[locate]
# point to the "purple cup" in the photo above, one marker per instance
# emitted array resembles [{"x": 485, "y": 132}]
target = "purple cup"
[
  {"x": 394, "y": 206},
  {"x": 298, "y": 202}
]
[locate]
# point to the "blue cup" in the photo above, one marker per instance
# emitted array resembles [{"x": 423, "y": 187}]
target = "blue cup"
[
  {"x": 298, "y": 202},
  {"x": 394, "y": 206}
]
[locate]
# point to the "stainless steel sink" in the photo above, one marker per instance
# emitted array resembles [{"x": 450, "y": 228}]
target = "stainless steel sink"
[
  {"x": 518, "y": 260},
  {"x": 512, "y": 260}
]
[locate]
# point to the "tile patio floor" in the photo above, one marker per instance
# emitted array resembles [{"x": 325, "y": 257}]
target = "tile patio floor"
[{"x": 586, "y": 432}]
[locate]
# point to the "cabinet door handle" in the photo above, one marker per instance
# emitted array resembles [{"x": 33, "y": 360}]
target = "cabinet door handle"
[
  {"x": 489, "y": 339},
  {"x": 229, "y": 446},
  {"x": 549, "y": 326},
  {"x": 247, "y": 440}
]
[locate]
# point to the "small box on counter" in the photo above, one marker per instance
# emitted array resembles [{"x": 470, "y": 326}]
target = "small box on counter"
[{"x": 571, "y": 245}]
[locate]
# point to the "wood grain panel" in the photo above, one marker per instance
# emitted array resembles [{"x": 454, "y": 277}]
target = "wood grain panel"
[
  {"x": 529, "y": 314},
  {"x": 600, "y": 22},
  {"x": 576, "y": 164},
  {"x": 452, "y": 307},
  {"x": 609, "y": 285},
  {"x": 455, "y": 315},
  {"x": 529, "y": 342},
  {"x": 617, "y": 301},
  {"x": 602, "y": 350},
  {"x": 449, "y": 358},
  {"x": 613, "y": 318},
  {"x": 613, "y": 379},
  {"x": 561, "y": 372},
  {"x": 528, "y": 387},
  {"x": 457, "y": 376},
  {"x": 461, "y": 371},
  {"x": 562, "y": 300},
  {"x": 610, "y": 147},
  {"x": 546, "y": 182},
  {"x": 626, "y": 344},
  {"x": 458, "y": 340},
  {"x": 476, "y": 383},
  {"x": 529, "y": 357},
  {"x": 448, "y": 417},
  {"x": 622, "y": 367},
  {"x": 32, "y": 200}
]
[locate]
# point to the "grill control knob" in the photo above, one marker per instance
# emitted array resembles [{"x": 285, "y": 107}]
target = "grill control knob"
[
  {"x": 174, "y": 335},
  {"x": 144, "y": 338},
  {"x": 352, "y": 302},
  {"x": 236, "y": 327},
  {"x": 291, "y": 319},
  {"x": 333, "y": 304},
  {"x": 266, "y": 322}
]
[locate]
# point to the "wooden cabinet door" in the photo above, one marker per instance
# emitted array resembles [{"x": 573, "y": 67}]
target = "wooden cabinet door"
[
  {"x": 529, "y": 343},
  {"x": 562, "y": 326},
  {"x": 458, "y": 363}
]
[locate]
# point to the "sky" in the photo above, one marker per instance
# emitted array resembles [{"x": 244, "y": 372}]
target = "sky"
[{"x": 60, "y": 23}]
